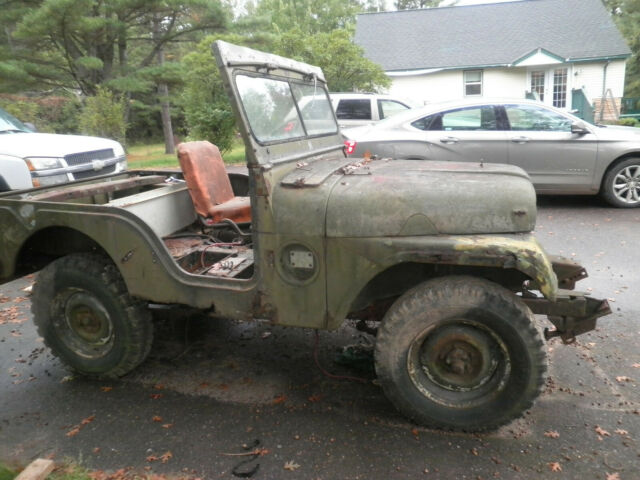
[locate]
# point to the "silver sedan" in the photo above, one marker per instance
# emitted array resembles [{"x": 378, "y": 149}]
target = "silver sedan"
[{"x": 561, "y": 153}]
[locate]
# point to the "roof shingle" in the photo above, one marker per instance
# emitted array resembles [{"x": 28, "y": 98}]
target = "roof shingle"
[{"x": 489, "y": 34}]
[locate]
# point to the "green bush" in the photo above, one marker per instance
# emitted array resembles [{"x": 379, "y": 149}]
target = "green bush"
[
  {"x": 207, "y": 112},
  {"x": 103, "y": 116},
  {"x": 629, "y": 122},
  {"x": 52, "y": 114}
]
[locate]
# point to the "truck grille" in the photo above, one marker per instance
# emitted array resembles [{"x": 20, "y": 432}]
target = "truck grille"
[
  {"x": 83, "y": 158},
  {"x": 93, "y": 173}
]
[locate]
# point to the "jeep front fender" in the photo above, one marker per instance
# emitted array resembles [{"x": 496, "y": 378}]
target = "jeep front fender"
[{"x": 365, "y": 258}]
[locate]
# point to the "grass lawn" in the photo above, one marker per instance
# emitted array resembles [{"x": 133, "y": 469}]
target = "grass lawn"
[
  {"x": 153, "y": 156},
  {"x": 5, "y": 473}
]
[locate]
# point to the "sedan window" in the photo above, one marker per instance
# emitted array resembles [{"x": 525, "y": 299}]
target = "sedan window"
[{"x": 533, "y": 117}]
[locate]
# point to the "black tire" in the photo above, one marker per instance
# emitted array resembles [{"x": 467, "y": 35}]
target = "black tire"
[
  {"x": 621, "y": 184},
  {"x": 460, "y": 353},
  {"x": 83, "y": 311}
]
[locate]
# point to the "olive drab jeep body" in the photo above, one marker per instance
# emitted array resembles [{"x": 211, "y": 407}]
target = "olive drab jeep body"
[{"x": 439, "y": 255}]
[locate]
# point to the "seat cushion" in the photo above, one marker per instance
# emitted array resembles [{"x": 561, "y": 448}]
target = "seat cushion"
[{"x": 209, "y": 184}]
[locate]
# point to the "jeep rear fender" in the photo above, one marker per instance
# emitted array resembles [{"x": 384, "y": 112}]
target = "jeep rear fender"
[{"x": 360, "y": 260}]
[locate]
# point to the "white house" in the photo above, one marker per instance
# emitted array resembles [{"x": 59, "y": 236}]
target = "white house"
[{"x": 568, "y": 52}]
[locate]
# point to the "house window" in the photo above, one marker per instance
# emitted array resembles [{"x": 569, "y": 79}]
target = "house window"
[
  {"x": 537, "y": 83},
  {"x": 560, "y": 87},
  {"x": 472, "y": 83}
]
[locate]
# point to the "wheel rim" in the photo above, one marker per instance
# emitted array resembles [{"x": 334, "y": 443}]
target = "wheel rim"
[
  {"x": 626, "y": 184},
  {"x": 83, "y": 323},
  {"x": 458, "y": 364}
]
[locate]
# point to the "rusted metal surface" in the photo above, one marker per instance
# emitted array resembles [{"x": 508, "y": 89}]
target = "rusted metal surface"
[
  {"x": 87, "y": 190},
  {"x": 572, "y": 313},
  {"x": 567, "y": 271}
]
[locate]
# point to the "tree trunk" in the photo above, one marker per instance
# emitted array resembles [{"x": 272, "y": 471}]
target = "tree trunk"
[
  {"x": 163, "y": 97},
  {"x": 167, "y": 128}
]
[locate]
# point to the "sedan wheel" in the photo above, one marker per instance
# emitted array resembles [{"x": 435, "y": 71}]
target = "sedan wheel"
[{"x": 622, "y": 184}]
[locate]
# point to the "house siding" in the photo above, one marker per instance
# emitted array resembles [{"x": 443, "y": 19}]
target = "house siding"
[
  {"x": 589, "y": 77},
  {"x": 507, "y": 82}
]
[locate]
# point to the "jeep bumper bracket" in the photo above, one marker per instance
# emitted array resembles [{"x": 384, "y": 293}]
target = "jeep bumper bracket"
[{"x": 573, "y": 313}]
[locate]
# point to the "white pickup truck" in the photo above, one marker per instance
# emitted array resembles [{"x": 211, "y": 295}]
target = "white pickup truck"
[{"x": 29, "y": 159}]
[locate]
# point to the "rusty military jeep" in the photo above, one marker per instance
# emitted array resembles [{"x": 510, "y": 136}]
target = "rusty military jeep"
[{"x": 439, "y": 255}]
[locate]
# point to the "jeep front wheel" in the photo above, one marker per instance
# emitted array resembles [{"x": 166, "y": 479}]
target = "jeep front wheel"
[
  {"x": 460, "y": 353},
  {"x": 82, "y": 310}
]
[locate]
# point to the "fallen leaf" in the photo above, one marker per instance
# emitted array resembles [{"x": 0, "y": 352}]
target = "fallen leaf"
[
  {"x": 96, "y": 450},
  {"x": 551, "y": 434},
  {"x": 152, "y": 458},
  {"x": 165, "y": 457},
  {"x": 415, "y": 432},
  {"x": 474, "y": 451},
  {"x": 619, "y": 431},
  {"x": 157, "y": 418},
  {"x": 623, "y": 379},
  {"x": 280, "y": 399},
  {"x": 88, "y": 420},
  {"x": 106, "y": 389},
  {"x": 156, "y": 396},
  {"x": 159, "y": 386},
  {"x": 291, "y": 466},
  {"x": 613, "y": 476},
  {"x": 555, "y": 466},
  {"x": 167, "y": 425},
  {"x": 73, "y": 432},
  {"x": 636, "y": 365},
  {"x": 602, "y": 432},
  {"x": 315, "y": 398}
]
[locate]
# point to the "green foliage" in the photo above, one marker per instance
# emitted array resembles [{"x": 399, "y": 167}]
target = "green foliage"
[
  {"x": 626, "y": 14},
  {"x": 208, "y": 115},
  {"x": 310, "y": 16},
  {"x": 84, "y": 43},
  {"x": 103, "y": 116},
  {"x": 342, "y": 61},
  {"x": 5, "y": 473},
  {"x": 414, "y": 4},
  {"x": 51, "y": 114},
  {"x": 629, "y": 122}
]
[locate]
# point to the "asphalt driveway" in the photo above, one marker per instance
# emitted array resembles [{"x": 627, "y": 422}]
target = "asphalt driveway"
[{"x": 211, "y": 389}]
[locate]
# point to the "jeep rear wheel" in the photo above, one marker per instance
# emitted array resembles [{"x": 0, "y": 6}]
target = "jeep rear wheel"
[
  {"x": 460, "y": 353},
  {"x": 85, "y": 315}
]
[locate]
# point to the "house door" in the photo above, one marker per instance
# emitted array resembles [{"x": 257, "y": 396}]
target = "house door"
[{"x": 550, "y": 85}]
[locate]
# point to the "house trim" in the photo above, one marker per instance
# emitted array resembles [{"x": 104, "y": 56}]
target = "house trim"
[{"x": 544, "y": 57}]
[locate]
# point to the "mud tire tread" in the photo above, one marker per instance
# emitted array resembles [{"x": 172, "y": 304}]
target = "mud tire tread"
[
  {"x": 420, "y": 307},
  {"x": 137, "y": 325}
]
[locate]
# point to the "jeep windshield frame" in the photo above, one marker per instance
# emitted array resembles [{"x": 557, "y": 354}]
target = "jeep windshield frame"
[
  {"x": 282, "y": 106},
  {"x": 281, "y": 110}
]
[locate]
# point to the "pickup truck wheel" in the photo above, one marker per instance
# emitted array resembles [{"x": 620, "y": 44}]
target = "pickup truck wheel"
[
  {"x": 460, "y": 353},
  {"x": 621, "y": 185},
  {"x": 82, "y": 310}
]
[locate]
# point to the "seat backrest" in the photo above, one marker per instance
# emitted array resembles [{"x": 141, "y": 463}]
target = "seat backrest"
[{"x": 205, "y": 175}]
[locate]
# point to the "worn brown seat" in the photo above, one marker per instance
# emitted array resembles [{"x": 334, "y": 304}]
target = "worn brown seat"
[{"x": 209, "y": 184}]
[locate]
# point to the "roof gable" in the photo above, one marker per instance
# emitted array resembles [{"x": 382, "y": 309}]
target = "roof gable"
[
  {"x": 491, "y": 34},
  {"x": 539, "y": 56}
]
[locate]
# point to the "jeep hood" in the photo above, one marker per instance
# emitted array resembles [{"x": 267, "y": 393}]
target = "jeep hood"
[
  {"x": 405, "y": 197},
  {"x": 24, "y": 145}
]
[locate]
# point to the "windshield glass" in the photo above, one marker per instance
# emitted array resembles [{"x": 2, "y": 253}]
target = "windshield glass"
[
  {"x": 9, "y": 123},
  {"x": 279, "y": 110}
]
